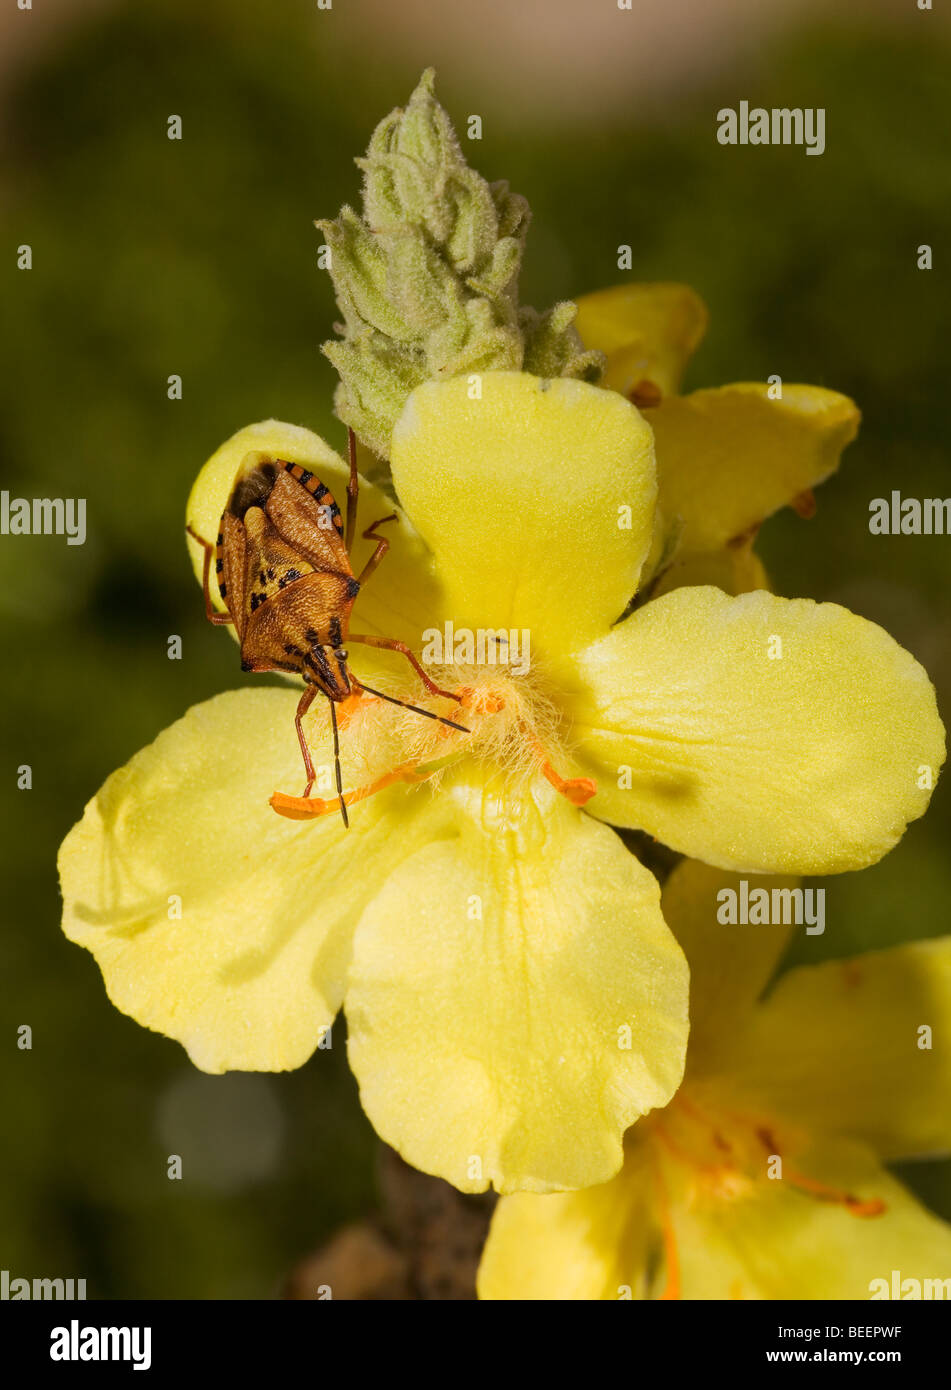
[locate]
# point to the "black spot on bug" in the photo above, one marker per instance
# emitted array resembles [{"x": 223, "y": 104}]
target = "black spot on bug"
[
  {"x": 222, "y": 588},
  {"x": 262, "y": 576},
  {"x": 353, "y": 588},
  {"x": 311, "y": 635},
  {"x": 335, "y": 634},
  {"x": 219, "y": 566},
  {"x": 246, "y": 665},
  {"x": 257, "y": 600},
  {"x": 287, "y": 578},
  {"x": 270, "y": 574}
]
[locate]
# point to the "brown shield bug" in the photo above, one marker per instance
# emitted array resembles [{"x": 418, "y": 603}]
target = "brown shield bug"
[{"x": 282, "y": 563}]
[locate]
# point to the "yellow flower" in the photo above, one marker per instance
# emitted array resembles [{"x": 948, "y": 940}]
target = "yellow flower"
[
  {"x": 514, "y": 998},
  {"x": 764, "y": 1177},
  {"x": 727, "y": 458}
]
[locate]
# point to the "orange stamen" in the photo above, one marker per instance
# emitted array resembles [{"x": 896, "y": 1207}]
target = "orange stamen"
[
  {"x": 804, "y": 504},
  {"x": 645, "y": 394},
  {"x": 856, "y": 1206},
  {"x": 671, "y": 1289},
  {"x": 578, "y": 790},
  {"x": 487, "y": 703}
]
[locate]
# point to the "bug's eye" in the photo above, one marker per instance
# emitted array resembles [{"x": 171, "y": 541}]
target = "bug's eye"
[{"x": 340, "y": 654}]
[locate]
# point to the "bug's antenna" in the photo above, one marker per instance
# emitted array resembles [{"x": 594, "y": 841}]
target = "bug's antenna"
[
  {"x": 343, "y": 804},
  {"x": 428, "y": 714}
]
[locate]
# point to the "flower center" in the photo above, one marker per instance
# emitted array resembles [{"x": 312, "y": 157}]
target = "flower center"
[
  {"x": 722, "y": 1156},
  {"x": 513, "y": 726}
]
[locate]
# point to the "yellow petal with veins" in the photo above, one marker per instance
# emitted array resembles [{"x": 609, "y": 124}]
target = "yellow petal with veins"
[
  {"x": 516, "y": 1000},
  {"x": 757, "y": 733},
  {"x": 536, "y": 498},
  {"x": 213, "y": 920}
]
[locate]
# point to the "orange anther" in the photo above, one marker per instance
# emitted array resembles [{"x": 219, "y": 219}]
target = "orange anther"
[
  {"x": 645, "y": 394},
  {"x": 804, "y": 504},
  {"x": 578, "y": 790},
  {"x": 487, "y": 703}
]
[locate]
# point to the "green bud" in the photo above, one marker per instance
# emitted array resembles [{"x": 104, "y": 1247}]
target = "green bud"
[{"x": 427, "y": 278}]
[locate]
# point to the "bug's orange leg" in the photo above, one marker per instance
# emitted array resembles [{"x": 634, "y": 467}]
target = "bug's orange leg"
[
  {"x": 382, "y": 546},
  {"x": 213, "y": 617},
  {"x": 392, "y": 645},
  {"x": 303, "y": 705},
  {"x": 353, "y": 490}
]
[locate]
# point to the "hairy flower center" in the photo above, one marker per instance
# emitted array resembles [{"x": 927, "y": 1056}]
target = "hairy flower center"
[{"x": 513, "y": 726}]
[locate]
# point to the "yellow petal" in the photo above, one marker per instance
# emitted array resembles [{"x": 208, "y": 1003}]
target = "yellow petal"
[
  {"x": 862, "y": 1062},
  {"x": 736, "y": 569},
  {"x": 729, "y": 458},
  {"x": 812, "y": 761},
  {"x": 520, "y": 495},
  {"x": 516, "y": 1001},
  {"x": 399, "y": 599},
  {"x": 214, "y": 920},
  {"x": 730, "y": 962},
  {"x": 776, "y": 1241},
  {"x": 648, "y": 332},
  {"x": 591, "y": 1244}
]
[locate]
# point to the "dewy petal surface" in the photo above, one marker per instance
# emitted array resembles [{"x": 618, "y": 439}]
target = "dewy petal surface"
[
  {"x": 647, "y": 331},
  {"x": 399, "y": 599},
  {"x": 806, "y": 763},
  {"x": 519, "y": 496},
  {"x": 857, "y": 1065},
  {"x": 252, "y": 971},
  {"x": 728, "y": 458},
  {"x": 514, "y": 1047}
]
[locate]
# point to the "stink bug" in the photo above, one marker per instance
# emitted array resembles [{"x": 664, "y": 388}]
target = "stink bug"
[{"x": 283, "y": 569}]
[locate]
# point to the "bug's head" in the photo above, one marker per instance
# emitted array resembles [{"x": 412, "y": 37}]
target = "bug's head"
[{"x": 328, "y": 669}]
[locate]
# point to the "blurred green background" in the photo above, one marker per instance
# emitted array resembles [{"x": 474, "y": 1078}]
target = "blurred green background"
[{"x": 198, "y": 257}]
